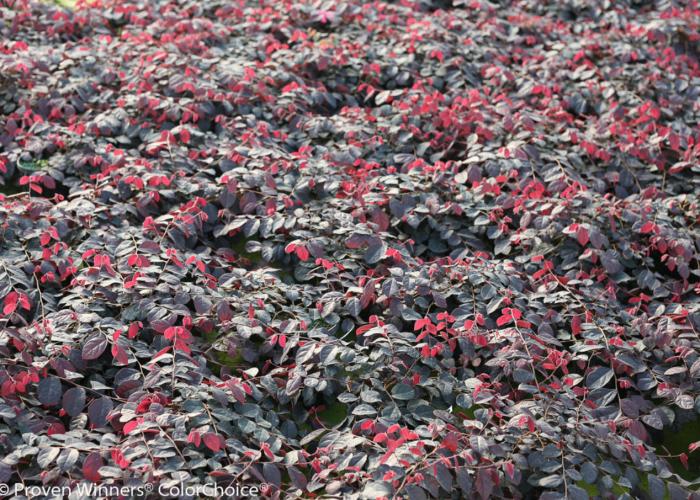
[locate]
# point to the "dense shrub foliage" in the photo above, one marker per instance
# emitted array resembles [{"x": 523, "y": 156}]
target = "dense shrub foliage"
[{"x": 409, "y": 249}]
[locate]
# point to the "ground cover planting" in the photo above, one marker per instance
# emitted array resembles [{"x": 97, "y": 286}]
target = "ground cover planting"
[{"x": 394, "y": 249}]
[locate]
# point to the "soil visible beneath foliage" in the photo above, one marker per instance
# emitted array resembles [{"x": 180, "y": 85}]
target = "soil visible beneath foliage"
[{"x": 393, "y": 249}]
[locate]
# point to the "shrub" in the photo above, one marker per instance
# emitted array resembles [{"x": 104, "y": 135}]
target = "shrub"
[{"x": 392, "y": 249}]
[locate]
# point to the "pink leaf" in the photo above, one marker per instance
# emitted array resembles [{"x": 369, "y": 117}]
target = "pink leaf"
[
  {"x": 582, "y": 236},
  {"x": 212, "y": 441},
  {"x": 302, "y": 253},
  {"x": 576, "y": 325},
  {"x": 510, "y": 469},
  {"x": 648, "y": 227},
  {"x": 130, "y": 426},
  {"x": 91, "y": 467}
]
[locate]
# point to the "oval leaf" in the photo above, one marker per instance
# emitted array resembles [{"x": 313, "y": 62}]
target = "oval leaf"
[
  {"x": 49, "y": 391},
  {"x": 99, "y": 410},
  {"x": 74, "y": 401},
  {"x": 599, "y": 377},
  {"x": 94, "y": 346}
]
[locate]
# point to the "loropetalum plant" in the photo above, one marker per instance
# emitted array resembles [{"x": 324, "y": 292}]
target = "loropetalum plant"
[{"x": 351, "y": 249}]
